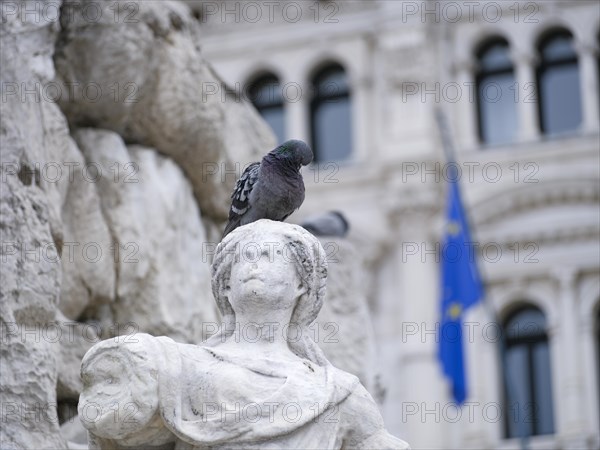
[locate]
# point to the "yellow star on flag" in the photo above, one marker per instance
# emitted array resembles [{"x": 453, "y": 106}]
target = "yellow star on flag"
[
  {"x": 454, "y": 310},
  {"x": 453, "y": 228}
]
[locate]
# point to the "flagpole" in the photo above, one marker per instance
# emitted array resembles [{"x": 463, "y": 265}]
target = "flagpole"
[{"x": 450, "y": 155}]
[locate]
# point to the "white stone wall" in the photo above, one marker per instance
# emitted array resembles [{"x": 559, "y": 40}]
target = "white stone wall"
[{"x": 546, "y": 193}]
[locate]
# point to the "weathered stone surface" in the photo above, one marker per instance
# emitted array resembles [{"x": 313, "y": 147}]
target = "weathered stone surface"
[
  {"x": 88, "y": 268},
  {"x": 75, "y": 340},
  {"x": 151, "y": 85},
  {"x": 161, "y": 252},
  {"x": 345, "y": 330},
  {"x": 167, "y": 387},
  {"x": 29, "y": 292}
]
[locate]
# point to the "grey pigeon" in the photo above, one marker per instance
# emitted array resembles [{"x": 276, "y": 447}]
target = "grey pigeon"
[
  {"x": 272, "y": 189},
  {"x": 332, "y": 223}
]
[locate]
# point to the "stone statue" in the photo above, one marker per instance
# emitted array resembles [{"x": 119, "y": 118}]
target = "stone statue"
[{"x": 261, "y": 381}]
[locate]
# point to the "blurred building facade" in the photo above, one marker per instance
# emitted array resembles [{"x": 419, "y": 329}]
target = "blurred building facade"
[{"x": 519, "y": 82}]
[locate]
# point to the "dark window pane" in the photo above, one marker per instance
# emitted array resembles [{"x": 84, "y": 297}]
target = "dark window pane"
[
  {"x": 331, "y": 115},
  {"x": 560, "y": 100},
  {"x": 266, "y": 96},
  {"x": 528, "y": 375},
  {"x": 275, "y": 118},
  {"x": 543, "y": 389},
  {"x": 496, "y": 95},
  {"x": 525, "y": 324},
  {"x": 518, "y": 394},
  {"x": 266, "y": 91},
  {"x": 495, "y": 57},
  {"x": 558, "y": 48},
  {"x": 332, "y": 134},
  {"x": 497, "y": 108},
  {"x": 331, "y": 82},
  {"x": 558, "y": 85}
]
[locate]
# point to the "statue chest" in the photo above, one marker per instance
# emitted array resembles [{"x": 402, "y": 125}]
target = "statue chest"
[{"x": 227, "y": 389}]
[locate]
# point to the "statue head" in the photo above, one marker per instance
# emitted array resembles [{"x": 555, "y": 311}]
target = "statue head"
[{"x": 289, "y": 253}]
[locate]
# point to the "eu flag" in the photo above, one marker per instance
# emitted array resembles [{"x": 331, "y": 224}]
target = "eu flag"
[{"x": 461, "y": 288}]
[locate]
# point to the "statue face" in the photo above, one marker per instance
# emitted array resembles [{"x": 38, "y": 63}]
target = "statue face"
[
  {"x": 266, "y": 279},
  {"x": 114, "y": 403}
]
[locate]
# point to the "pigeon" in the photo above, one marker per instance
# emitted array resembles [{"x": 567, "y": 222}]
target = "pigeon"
[
  {"x": 270, "y": 189},
  {"x": 332, "y": 223}
]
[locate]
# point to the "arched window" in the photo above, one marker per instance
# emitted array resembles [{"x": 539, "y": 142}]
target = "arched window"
[
  {"x": 496, "y": 94},
  {"x": 558, "y": 84},
  {"x": 266, "y": 96},
  {"x": 528, "y": 409},
  {"x": 330, "y": 115}
]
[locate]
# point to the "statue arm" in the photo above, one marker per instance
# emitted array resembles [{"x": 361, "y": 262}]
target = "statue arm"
[
  {"x": 119, "y": 404},
  {"x": 364, "y": 424}
]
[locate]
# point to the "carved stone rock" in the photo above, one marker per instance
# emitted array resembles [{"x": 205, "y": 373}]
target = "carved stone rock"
[{"x": 152, "y": 86}]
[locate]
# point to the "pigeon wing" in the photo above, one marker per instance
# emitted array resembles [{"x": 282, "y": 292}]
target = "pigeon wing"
[{"x": 240, "y": 198}]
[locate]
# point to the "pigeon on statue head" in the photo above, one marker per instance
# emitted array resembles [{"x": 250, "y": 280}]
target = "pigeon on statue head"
[{"x": 271, "y": 189}]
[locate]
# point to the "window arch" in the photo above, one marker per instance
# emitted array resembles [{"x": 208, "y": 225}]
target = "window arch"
[
  {"x": 496, "y": 93},
  {"x": 558, "y": 84},
  {"x": 330, "y": 114},
  {"x": 528, "y": 406},
  {"x": 266, "y": 95}
]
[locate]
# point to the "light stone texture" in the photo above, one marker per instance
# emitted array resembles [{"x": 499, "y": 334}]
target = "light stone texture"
[
  {"x": 157, "y": 90},
  {"x": 50, "y": 212},
  {"x": 30, "y": 287},
  {"x": 162, "y": 261},
  {"x": 75, "y": 340},
  {"x": 88, "y": 276},
  {"x": 185, "y": 396}
]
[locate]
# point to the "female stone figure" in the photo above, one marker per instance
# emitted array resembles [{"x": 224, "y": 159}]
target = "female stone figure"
[{"x": 260, "y": 382}]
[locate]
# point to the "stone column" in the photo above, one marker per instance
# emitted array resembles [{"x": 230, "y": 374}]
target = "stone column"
[
  {"x": 571, "y": 387},
  {"x": 588, "y": 73},
  {"x": 408, "y": 325},
  {"x": 480, "y": 341},
  {"x": 527, "y": 109},
  {"x": 586, "y": 337},
  {"x": 467, "y": 127},
  {"x": 361, "y": 117},
  {"x": 297, "y": 110}
]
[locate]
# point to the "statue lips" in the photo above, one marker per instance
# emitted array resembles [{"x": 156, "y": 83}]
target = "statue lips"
[{"x": 254, "y": 276}]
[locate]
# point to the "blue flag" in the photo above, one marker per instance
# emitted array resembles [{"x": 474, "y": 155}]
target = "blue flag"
[{"x": 461, "y": 288}]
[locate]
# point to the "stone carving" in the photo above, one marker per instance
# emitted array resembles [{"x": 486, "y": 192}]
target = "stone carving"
[
  {"x": 155, "y": 222},
  {"x": 30, "y": 288},
  {"x": 261, "y": 380}
]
